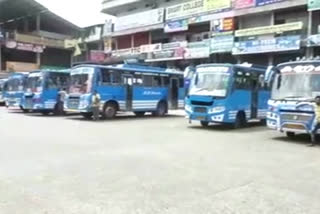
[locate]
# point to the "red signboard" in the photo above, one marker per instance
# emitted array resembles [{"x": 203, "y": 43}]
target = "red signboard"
[
  {"x": 97, "y": 56},
  {"x": 244, "y": 3}
]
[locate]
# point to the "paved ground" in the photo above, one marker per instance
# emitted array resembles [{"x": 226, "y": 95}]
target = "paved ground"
[{"x": 51, "y": 165}]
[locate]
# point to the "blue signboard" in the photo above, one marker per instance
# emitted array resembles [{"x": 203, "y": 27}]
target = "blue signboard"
[
  {"x": 285, "y": 43},
  {"x": 265, "y": 2},
  {"x": 221, "y": 43}
]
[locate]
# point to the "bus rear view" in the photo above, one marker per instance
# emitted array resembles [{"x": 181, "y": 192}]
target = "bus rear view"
[{"x": 225, "y": 93}]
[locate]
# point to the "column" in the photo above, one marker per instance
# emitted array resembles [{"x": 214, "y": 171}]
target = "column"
[
  {"x": 38, "y": 22},
  {"x": 309, "y": 51},
  {"x": 0, "y": 57}
]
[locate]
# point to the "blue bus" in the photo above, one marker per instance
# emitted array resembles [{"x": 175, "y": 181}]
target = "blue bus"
[
  {"x": 226, "y": 93},
  {"x": 42, "y": 88},
  {"x": 2, "y": 84},
  {"x": 125, "y": 87},
  {"x": 295, "y": 86},
  {"x": 14, "y": 89}
]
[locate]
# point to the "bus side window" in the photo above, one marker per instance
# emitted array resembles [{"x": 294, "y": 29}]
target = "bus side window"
[
  {"x": 137, "y": 80},
  {"x": 242, "y": 82},
  {"x": 156, "y": 81},
  {"x": 116, "y": 77},
  {"x": 106, "y": 76},
  {"x": 147, "y": 80},
  {"x": 165, "y": 81}
]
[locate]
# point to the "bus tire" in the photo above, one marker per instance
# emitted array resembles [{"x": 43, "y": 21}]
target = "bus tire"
[
  {"x": 87, "y": 115},
  {"x": 24, "y": 110},
  {"x": 109, "y": 111},
  {"x": 204, "y": 123},
  {"x": 290, "y": 135},
  {"x": 139, "y": 113},
  {"x": 240, "y": 121},
  {"x": 161, "y": 109}
]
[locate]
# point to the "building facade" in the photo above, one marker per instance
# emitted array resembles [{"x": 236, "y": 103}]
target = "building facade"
[
  {"x": 32, "y": 37},
  {"x": 177, "y": 33}
]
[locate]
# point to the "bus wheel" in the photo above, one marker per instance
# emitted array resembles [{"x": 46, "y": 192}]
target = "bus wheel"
[
  {"x": 290, "y": 135},
  {"x": 109, "y": 111},
  {"x": 204, "y": 123},
  {"x": 161, "y": 110},
  {"x": 139, "y": 113},
  {"x": 24, "y": 110},
  {"x": 240, "y": 121},
  {"x": 87, "y": 115}
]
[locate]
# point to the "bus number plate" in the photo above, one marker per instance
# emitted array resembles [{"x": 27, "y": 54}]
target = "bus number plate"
[{"x": 201, "y": 118}]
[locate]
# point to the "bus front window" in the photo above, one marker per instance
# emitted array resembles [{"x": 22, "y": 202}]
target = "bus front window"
[
  {"x": 291, "y": 84},
  {"x": 210, "y": 84},
  {"x": 81, "y": 80},
  {"x": 34, "y": 84},
  {"x": 15, "y": 84}
]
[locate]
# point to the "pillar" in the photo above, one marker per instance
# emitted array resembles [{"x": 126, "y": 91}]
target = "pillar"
[
  {"x": 38, "y": 22},
  {"x": 309, "y": 51}
]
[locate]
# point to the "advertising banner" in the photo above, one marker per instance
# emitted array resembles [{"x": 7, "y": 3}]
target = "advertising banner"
[
  {"x": 21, "y": 66},
  {"x": 265, "y": 2},
  {"x": 284, "y": 43},
  {"x": 216, "y": 5},
  {"x": 176, "y": 26},
  {"x": 150, "y": 48},
  {"x": 150, "y": 17},
  {"x": 239, "y": 4},
  {"x": 197, "y": 50},
  {"x": 269, "y": 29},
  {"x": 313, "y": 40},
  {"x": 313, "y": 5},
  {"x": 221, "y": 44},
  {"x": 222, "y": 25}
]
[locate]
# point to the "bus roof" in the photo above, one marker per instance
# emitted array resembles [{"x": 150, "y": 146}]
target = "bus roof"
[
  {"x": 299, "y": 62},
  {"x": 244, "y": 65},
  {"x": 50, "y": 70},
  {"x": 17, "y": 74},
  {"x": 135, "y": 67}
]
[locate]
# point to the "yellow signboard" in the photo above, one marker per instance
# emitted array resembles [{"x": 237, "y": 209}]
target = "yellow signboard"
[
  {"x": 269, "y": 29},
  {"x": 213, "y": 5}
]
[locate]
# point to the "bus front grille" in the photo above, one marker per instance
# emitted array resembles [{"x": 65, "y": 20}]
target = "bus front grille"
[
  {"x": 201, "y": 103},
  {"x": 296, "y": 117},
  {"x": 74, "y": 102},
  {"x": 200, "y": 110}
]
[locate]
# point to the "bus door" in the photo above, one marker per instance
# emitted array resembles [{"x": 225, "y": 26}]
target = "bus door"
[
  {"x": 254, "y": 97},
  {"x": 174, "y": 92},
  {"x": 128, "y": 83}
]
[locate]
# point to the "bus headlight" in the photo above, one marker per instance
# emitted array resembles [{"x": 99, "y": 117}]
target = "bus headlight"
[
  {"x": 217, "y": 109},
  {"x": 188, "y": 108}
]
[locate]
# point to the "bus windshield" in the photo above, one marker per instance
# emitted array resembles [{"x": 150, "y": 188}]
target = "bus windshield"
[
  {"x": 210, "y": 81},
  {"x": 81, "y": 80},
  {"x": 34, "y": 83},
  {"x": 297, "y": 82},
  {"x": 15, "y": 84},
  {"x": 56, "y": 80}
]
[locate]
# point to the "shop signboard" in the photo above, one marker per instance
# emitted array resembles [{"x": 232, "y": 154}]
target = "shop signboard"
[
  {"x": 24, "y": 46},
  {"x": 26, "y": 38},
  {"x": 285, "y": 43},
  {"x": 97, "y": 56},
  {"x": 216, "y": 5},
  {"x": 221, "y": 43},
  {"x": 147, "y": 18},
  {"x": 185, "y": 9},
  {"x": 13, "y": 66},
  {"x": 196, "y": 50},
  {"x": 266, "y": 2},
  {"x": 222, "y": 25},
  {"x": 239, "y": 4},
  {"x": 269, "y": 29},
  {"x": 173, "y": 45},
  {"x": 150, "y": 48},
  {"x": 169, "y": 51},
  {"x": 176, "y": 26},
  {"x": 313, "y": 5},
  {"x": 313, "y": 40}
]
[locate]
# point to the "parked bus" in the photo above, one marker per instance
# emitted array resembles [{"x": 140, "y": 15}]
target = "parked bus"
[
  {"x": 125, "y": 87},
  {"x": 2, "y": 84},
  {"x": 42, "y": 88},
  {"x": 294, "y": 83},
  {"x": 14, "y": 89},
  {"x": 226, "y": 93}
]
